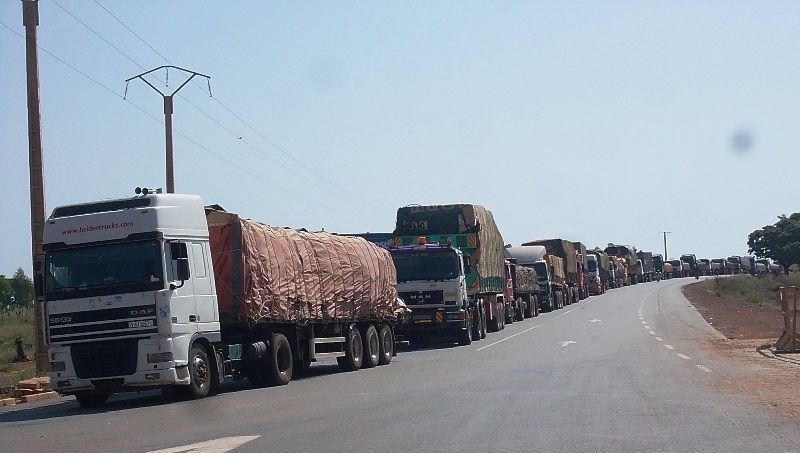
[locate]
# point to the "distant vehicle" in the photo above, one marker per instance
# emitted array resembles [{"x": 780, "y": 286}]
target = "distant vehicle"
[
  {"x": 677, "y": 268},
  {"x": 705, "y": 266},
  {"x": 648, "y": 265},
  {"x": 572, "y": 271},
  {"x": 627, "y": 254},
  {"x": 719, "y": 266},
  {"x": 549, "y": 273}
]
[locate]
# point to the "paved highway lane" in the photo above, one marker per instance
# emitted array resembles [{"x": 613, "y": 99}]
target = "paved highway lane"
[{"x": 617, "y": 372}]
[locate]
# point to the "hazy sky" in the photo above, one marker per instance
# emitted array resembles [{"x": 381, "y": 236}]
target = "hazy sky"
[{"x": 592, "y": 121}]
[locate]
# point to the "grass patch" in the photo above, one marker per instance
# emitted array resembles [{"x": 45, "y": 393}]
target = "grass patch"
[
  {"x": 16, "y": 323},
  {"x": 753, "y": 290}
]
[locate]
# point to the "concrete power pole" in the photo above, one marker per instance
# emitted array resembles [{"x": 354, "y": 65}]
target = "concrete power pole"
[
  {"x": 168, "y": 113},
  {"x": 665, "y": 244},
  {"x": 30, "y": 19}
]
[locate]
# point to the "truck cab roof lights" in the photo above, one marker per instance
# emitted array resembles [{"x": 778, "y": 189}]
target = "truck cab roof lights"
[{"x": 146, "y": 191}]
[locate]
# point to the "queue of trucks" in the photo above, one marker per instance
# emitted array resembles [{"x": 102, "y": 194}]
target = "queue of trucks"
[{"x": 159, "y": 290}]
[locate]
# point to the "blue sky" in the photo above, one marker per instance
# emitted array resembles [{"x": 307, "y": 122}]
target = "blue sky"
[{"x": 592, "y": 121}]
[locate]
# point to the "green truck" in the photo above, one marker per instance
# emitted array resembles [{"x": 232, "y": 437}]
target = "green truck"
[{"x": 468, "y": 231}]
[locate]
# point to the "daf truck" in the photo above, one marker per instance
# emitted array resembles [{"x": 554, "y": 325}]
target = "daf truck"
[{"x": 157, "y": 291}]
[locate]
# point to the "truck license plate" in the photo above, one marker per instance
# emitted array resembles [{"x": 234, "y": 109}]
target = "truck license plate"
[{"x": 133, "y": 324}]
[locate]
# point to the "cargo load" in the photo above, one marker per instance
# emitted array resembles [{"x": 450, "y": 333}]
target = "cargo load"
[{"x": 273, "y": 274}]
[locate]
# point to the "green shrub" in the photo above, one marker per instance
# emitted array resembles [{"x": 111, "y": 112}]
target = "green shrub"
[{"x": 746, "y": 288}]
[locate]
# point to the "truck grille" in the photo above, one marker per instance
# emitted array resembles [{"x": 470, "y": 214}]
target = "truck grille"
[
  {"x": 105, "y": 358},
  {"x": 422, "y": 297}
]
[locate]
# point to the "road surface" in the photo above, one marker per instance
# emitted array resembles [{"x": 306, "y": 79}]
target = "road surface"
[{"x": 620, "y": 372}]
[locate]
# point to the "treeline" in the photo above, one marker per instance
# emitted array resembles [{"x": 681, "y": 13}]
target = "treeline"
[{"x": 16, "y": 291}]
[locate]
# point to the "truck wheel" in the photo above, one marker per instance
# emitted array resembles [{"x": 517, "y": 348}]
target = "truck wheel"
[
  {"x": 465, "y": 336},
  {"x": 529, "y": 309},
  {"x": 509, "y": 314},
  {"x": 484, "y": 329},
  {"x": 519, "y": 313},
  {"x": 281, "y": 363},
  {"x": 386, "y": 340},
  {"x": 92, "y": 399},
  {"x": 475, "y": 325},
  {"x": 199, "y": 373},
  {"x": 535, "y": 305},
  {"x": 354, "y": 351},
  {"x": 372, "y": 348}
]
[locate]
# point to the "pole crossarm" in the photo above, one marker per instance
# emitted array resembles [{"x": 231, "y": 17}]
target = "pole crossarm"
[{"x": 168, "y": 112}]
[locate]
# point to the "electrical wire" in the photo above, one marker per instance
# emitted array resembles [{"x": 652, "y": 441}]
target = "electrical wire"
[
  {"x": 177, "y": 132},
  {"x": 332, "y": 184}
]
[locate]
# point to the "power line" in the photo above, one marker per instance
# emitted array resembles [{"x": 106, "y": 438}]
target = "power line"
[
  {"x": 332, "y": 184},
  {"x": 187, "y": 138}
]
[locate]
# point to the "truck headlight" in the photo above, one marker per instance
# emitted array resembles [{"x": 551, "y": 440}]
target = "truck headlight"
[{"x": 159, "y": 357}]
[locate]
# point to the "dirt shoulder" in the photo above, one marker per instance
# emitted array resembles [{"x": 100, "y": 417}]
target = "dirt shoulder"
[{"x": 751, "y": 331}]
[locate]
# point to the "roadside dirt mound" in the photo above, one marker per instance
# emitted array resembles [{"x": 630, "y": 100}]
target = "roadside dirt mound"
[{"x": 756, "y": 373}]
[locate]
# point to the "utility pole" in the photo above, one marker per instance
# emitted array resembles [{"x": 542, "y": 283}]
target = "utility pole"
[
  {"x": 30, "y": 19},
  {"x": 168, "y": 112},
  {"x": 666, "y": 257}
]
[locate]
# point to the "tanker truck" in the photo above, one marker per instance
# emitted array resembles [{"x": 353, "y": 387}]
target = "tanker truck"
[
  {"x": 157, "y": 291},
  {"x": 465, "y": 231}
]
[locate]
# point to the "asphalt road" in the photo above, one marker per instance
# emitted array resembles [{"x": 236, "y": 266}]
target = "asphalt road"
[{"x": 620, "y": 372}]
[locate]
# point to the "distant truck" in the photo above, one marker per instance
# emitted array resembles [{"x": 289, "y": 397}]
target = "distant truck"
[
  {"x": 569, "y": 258},
  {"x": 691, "y": 260},
  {"x": 582, "y": 261},
  {"x": 472, "y": 235},
  {"x": 719, "y": 266},
  {"x": 522, "y": 293},
  {"x": 155, "y": 291},
  {"x": 549, "y": 273},
  {"x": 658, "y": 264},
  {"x": 598, "y": 272},
  {"x": 627, "y": 254},
  {"x": 648, "y": 266},
  {"x": 677, "y": 268}
]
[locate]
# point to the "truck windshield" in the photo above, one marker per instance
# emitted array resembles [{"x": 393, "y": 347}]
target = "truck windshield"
[
  {"x": 541, "y": 271},
  {"x": 592, "y": 266},
  {"x": 103, "y": 270},
  {"x": 425, "y": 265}
]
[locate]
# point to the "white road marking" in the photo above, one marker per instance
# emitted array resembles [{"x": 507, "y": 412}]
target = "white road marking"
[
  {"x": 524, "y": 331},
  {"x": 652, "y": 332},
  {"x": 595, "y": 320},
  {"x": 210, "y": 446},
  {"x": 668, "y": 346},
  {"x": 644, "y": 322},
  {"x": 567, "y": 343},
  {"x": 647, "y": 327},
  {"x": 703, "y": 368},
  {"x": 659, "y": 339},
  {"x": 684, "y": 357}
]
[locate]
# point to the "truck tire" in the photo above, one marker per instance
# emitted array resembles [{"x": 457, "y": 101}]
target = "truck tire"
[
  {"x": 199, "y": 372},
  {"x": 529, "y": 308},
  {"x": 354, "y": 351},
  {"x": 92, "y": 399},
  {"x": 535, "y": 305},
  {"x": 372, "y": 347},
  {"x": 386, "y": 340},
  {"x": 519, "y": 313},
  {"x": 465, "y": 335},
  {"x": 281, "y": 364}
]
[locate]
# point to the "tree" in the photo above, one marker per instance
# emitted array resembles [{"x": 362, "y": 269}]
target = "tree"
[
  {"x": 780, "y": 241},
  {"x": 5, "y": 292},
  {"x": 21, "y": 288}
]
